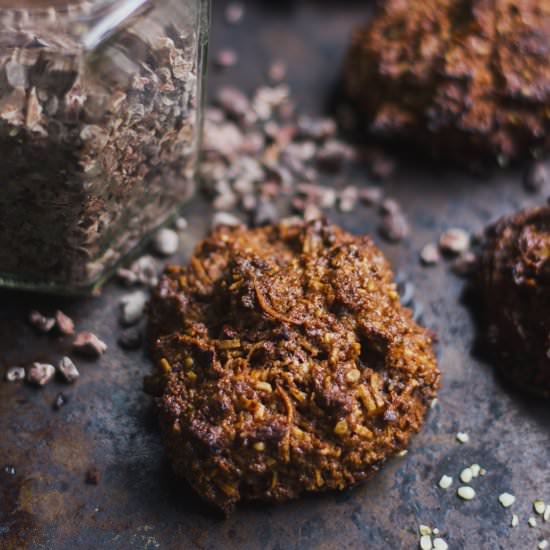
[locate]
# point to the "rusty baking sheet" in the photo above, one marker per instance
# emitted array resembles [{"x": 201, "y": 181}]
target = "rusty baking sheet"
[{"x": 108, "y": 422}]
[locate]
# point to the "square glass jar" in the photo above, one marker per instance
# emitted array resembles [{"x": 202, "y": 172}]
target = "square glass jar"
[{"x": 100, "y": 127}]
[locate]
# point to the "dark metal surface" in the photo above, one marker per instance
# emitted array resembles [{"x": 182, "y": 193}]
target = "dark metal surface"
[{"x": 108, "y": 422}]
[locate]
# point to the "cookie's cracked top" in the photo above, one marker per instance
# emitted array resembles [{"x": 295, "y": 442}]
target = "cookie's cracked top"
[{"x": 285, "y": 363}]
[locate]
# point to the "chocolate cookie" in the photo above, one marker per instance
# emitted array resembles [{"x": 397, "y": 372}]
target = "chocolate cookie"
[
  {"x": 285, "y": 363},
  {"x": 457, "y": 77},
  {"x": 515, "y": 283}
]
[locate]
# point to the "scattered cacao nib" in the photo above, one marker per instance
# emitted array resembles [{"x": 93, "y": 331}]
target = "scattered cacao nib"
[
  {"x": 477, "y": 237},
  {"x": 249, "y": 202},
  {"x": 290, "y": 221},
  {"x": 260, "y": 149},
  {"x": 262, "y": 158},
  {"x": 312, "y": 212},
  {"x": 225, "y": 218},
  {"x": 143, "y": 271},
  {"x": 326, "y": 197},
  {"x": 308, "y": 190},
  {"x": 93, "y": 476},
  {"x": 146, "y": 269},
  {"x": 15, "y": 374},
  {"x": 166, "y": 242},
  {"x": 454, "y": 241},
  {"x": 233, "y": 101},
  {"x": 390, "y": 206},
  {"x": 130, "y": 339},
  {"x": 40, "y": 322},
  {"x": 234, "y": 12},
  {"x": 132, "y": 307},
  {"x": 348, "y": 198},
  {"x": 535, "y": 177},
  {"x": 88, "y": 344},
  {"x": 464, "y": 265},
  {"x": 226, "y": 200},
  {"x": 277, "y": 71},
  {"x": 267, "y": 99},
  {"x": 406, "y": 290},
  {"x": 68, "y": 370},
  {"x": 226, "y": 58},
  {"x": 395, "y": 227},
  {"x": 317, "y": 129},
  {"x": 60, "y": 401},
  {"x": 429, "y": 255},
  {"x": 332, "y": 156},
  {"x": 382, "y": 167},
  {"x": 181, "y": 224},
  {"x": 63, "y": 323},
  {"x": 371, "y": 195},
  {"x": 269, "y": 189},
  {"x": 265, "y": 213},
  {"x": 127, "y": 276},
  {"x": 40, "y": 373}
]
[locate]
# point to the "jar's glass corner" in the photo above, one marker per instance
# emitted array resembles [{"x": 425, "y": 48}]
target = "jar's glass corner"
[{"x": 101, "y": 119}]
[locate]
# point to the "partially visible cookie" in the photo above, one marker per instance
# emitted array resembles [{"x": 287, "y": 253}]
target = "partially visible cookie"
[
  {"x": 459, "y": 78},
  {"x": 515, "y": 282},
  {"x": 285, "y": 363}
]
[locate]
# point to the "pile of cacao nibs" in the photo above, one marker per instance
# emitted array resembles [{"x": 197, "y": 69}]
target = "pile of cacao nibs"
[
  {"x": 83, "y": 156},
  {"x": 262, "y": 160}
]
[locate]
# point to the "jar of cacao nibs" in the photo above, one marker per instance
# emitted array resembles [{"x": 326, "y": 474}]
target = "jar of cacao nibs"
[{"x": 100, "y": 117}]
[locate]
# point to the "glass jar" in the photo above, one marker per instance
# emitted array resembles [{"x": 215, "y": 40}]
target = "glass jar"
[{"x": 100, "y": 118}]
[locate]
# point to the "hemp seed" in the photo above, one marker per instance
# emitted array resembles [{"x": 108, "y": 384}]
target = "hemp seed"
[
  {"x": 466, "y": 475},
  {"x": 506, "y": 499},
  {"x": 426, "y": 542},
  {"x": 445, "y": 482},
  {"x": 466, "y": 493},
  {"x": 475, "y": 469},
  {"x": 539, "y": 507}
]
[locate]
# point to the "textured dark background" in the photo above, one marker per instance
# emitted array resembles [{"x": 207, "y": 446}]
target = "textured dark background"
[{"x": 108, "y": 422}]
